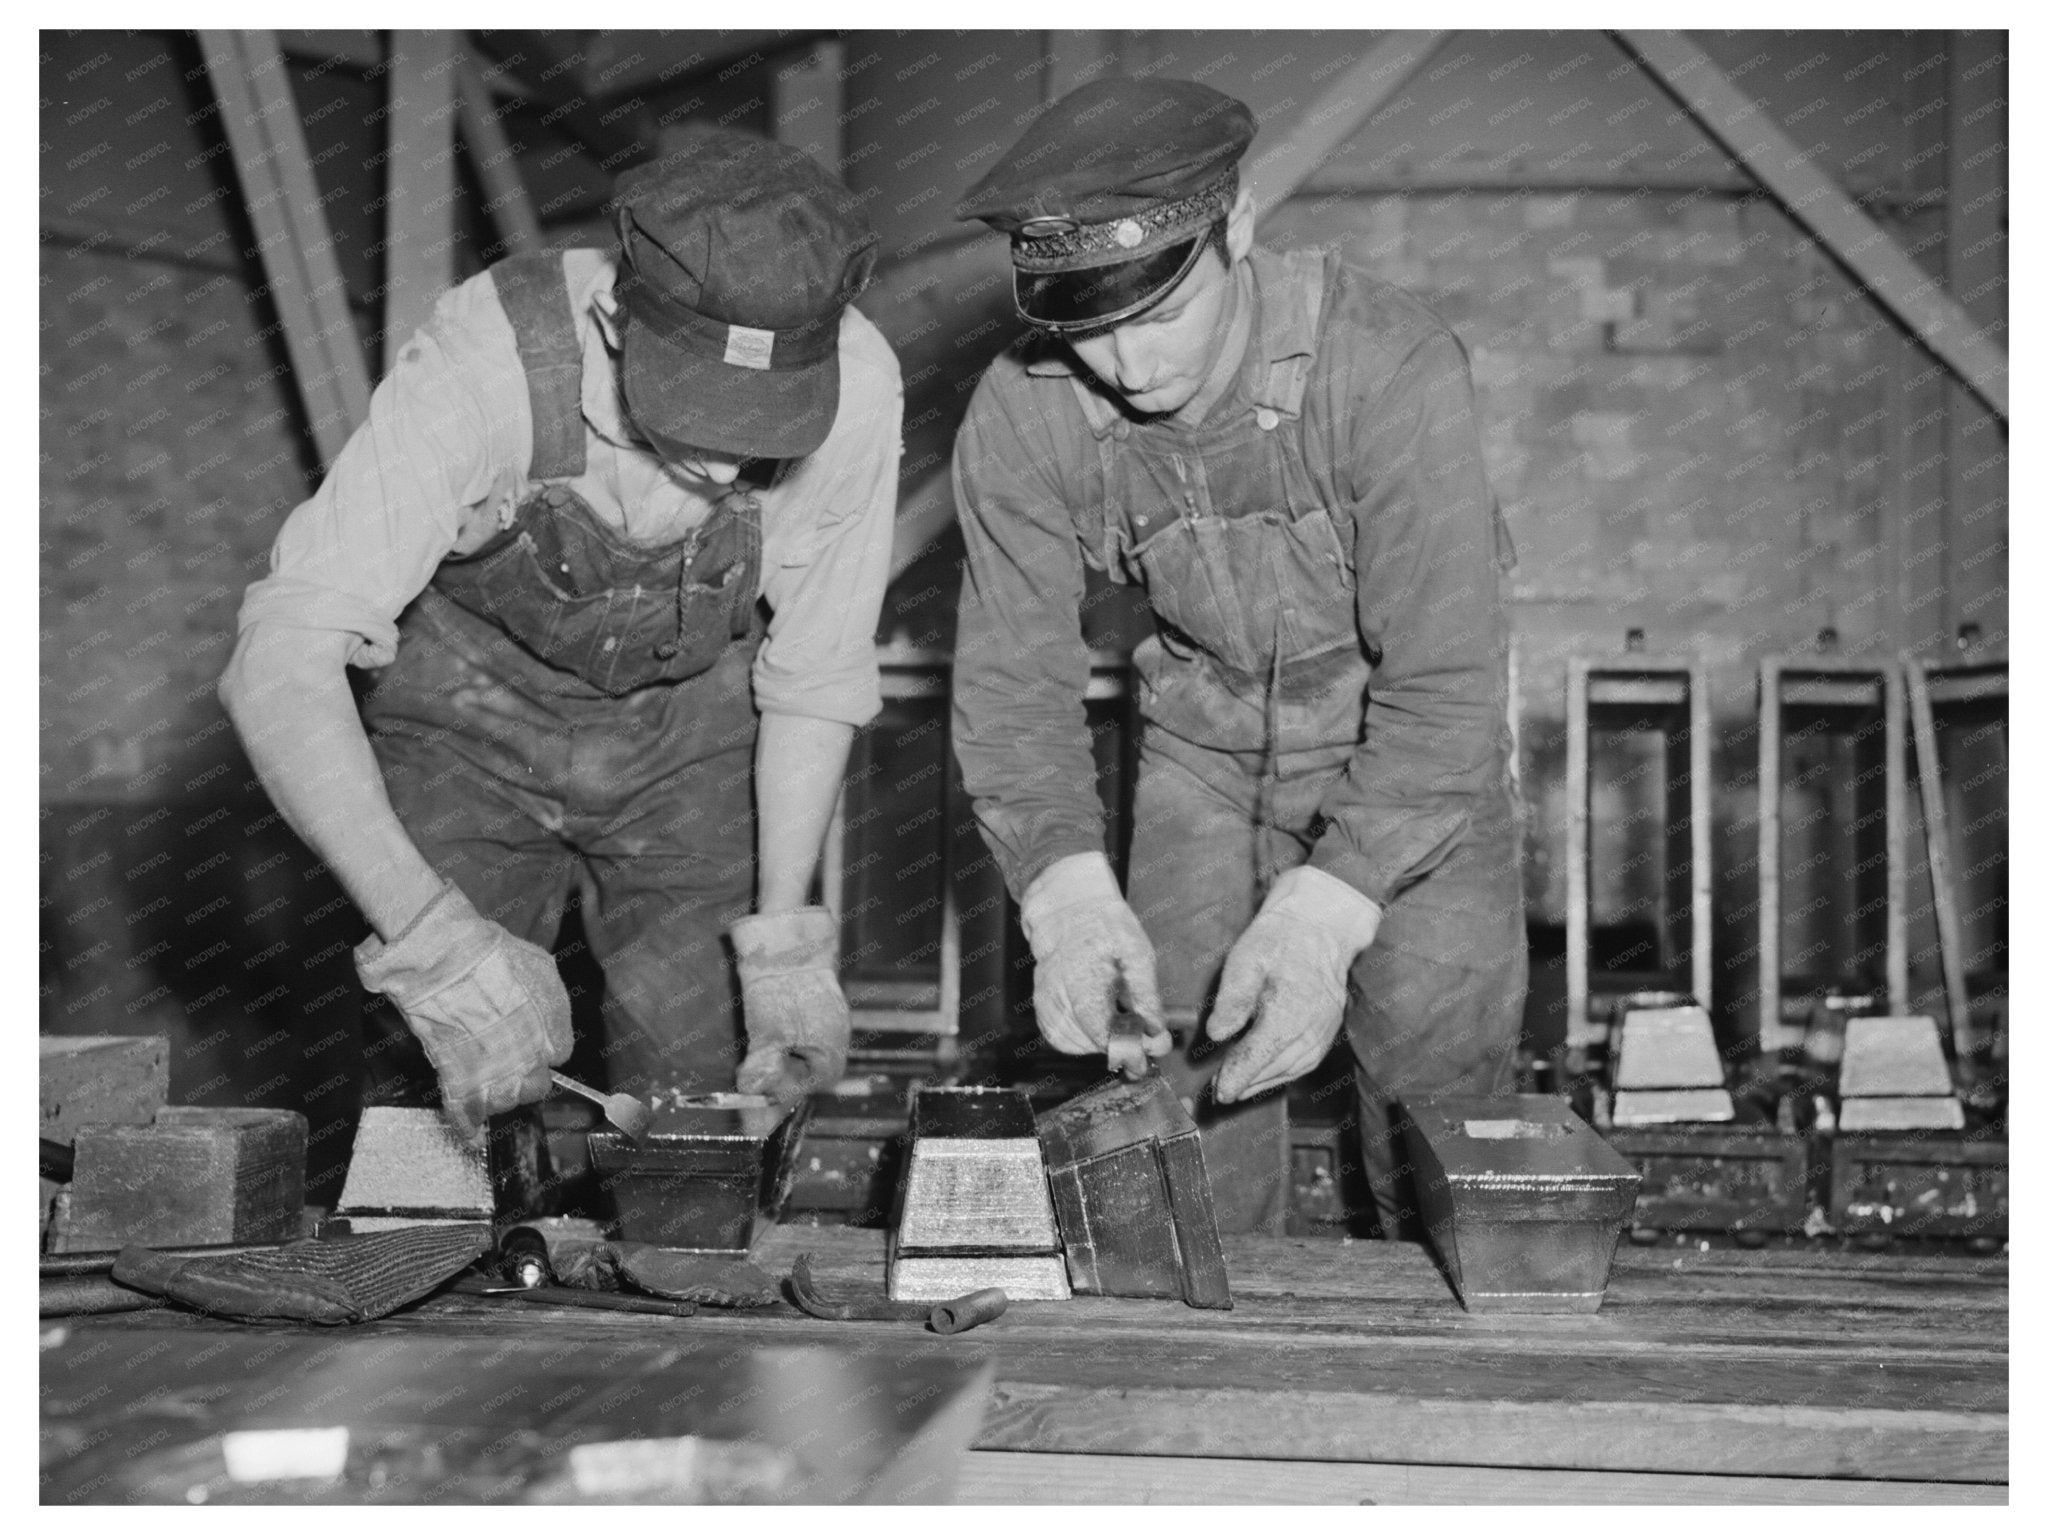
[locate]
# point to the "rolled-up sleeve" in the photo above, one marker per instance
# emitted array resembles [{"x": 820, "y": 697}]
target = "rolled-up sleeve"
[
  {"x": 366, "y": 542},
  {"x": 1020, "y": 667},
  {"x": 827, "y": 558},
  {"x": 1431, "y": 615}
]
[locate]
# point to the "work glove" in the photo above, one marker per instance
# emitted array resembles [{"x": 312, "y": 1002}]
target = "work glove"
[
  {"x": 490, "y": 1008},
  {"x": 1290, "y": 967},
  {"x": 797, "y": 1023},
  {"x": 1091, "y": 955}
]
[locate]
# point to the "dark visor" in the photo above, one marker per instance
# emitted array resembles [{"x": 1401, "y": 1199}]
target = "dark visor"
[{"x": 1097, "y": 297}]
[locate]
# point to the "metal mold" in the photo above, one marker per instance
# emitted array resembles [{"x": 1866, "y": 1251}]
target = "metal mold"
[
  {"x": 1523, "y": 1201},
  {"x": 705, "y": 1179},
  {"x": 1132, "y": 1195}
]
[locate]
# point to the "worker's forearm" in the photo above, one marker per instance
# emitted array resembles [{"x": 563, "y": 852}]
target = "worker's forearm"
[
  {"x": 289, "y": 698},
  {"x": 799, "y": 764}
]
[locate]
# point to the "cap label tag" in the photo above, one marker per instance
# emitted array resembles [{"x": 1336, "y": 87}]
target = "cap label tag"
[{"x": 748, "y": 348}]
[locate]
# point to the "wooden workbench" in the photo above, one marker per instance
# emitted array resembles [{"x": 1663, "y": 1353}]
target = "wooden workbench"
[{"x": 1348, "y": 1373}]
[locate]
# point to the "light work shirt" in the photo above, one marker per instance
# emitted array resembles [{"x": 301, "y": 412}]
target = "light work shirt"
[{"x": 443, "y": 460}]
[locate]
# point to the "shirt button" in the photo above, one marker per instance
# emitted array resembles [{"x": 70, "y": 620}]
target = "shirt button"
[
  {"x": 611, "y": 643},
  {"x": 1268, "y": 418}
]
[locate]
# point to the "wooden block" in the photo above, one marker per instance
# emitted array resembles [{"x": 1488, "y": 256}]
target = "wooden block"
[
  {"x": 101, "y": 1079},
  {"x": 1920, "y": 1185},
  {"x": 196, "y": 1176},
  {"x": 1717, "y": 1178}
]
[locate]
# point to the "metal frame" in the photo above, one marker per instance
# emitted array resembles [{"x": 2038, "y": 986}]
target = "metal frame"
[
  {"x": 908, "y": 673},
  {"x": 1925, "y": 686},
  {"x": 1665, "y": 695},
  {"x": 1822, "y": 682}
]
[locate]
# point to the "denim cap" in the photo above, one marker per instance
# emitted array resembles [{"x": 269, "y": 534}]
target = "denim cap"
[
  {"x": 1109, "y": 197},
  {"x": 737, "y": 257}
]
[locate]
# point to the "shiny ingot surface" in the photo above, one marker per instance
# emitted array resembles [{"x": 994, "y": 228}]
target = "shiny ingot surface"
[
  {"x": 1674, "y": 1106},
  {"x": 409, "y": 1161},
  {"x": 1037, "y": 1276},
  {"x": 1523, "y": 1201},
  {"x": 1931, "y": 1113},
  {"x": 1668, "y": 1047},
  {"x": 979, "y": 1194},
  {"x": 1898, "y": 1057}
]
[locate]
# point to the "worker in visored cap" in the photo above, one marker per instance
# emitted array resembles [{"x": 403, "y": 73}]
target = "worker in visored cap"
[
  {"x": 1282, "y": 452},
  {"x": 610, "y": 550}
]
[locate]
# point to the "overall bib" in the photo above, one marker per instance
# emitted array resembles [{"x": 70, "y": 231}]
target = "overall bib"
[
  {"x": 571, "y": 710},
  {"x": 1254, "y": 695}
]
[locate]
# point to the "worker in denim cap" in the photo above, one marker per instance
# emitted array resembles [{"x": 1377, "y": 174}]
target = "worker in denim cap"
[
  {"x": 1282, "y": 452},
  {"x": 611, "y": 550}
]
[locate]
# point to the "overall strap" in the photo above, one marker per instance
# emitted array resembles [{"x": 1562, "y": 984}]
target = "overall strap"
[
  {"x": 535, "y": 296},
  {"x": 1286, "y": 381}
]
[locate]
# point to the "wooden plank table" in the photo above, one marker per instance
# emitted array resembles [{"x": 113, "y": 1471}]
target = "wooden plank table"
[{"x": 1348, "y": 1373}]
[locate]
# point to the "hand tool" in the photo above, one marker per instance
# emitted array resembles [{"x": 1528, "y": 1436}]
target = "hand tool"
[
  {"x": 561, "y": 1295},
  {"x": 946, "y": 1317},
  {"x": 1127, "y": 1055},
  {"x": 91, "y": 1296},
  {"x": 623, "y": 1110},
  {"x": 708, "y": 1172},
  {"x": 65, "y": 1265}
]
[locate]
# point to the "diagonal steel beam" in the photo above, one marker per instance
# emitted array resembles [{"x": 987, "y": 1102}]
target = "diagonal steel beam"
[
  {"x": 268, "y": 144},
  {"x": 1811, "y": 196},
  {"x": 419, "y": 172},
  {"x": 1340, "y": 111}
]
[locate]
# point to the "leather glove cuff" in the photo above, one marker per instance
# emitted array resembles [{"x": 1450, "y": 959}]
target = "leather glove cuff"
[
  {"x": 1307, "y": 894},
  {"x": 433, "y": 951},
  {"x": 1079, "y": 879},
  {"x": 786, "y": 942}
]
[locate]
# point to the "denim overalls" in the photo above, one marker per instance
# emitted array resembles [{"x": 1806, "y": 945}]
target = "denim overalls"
[
  {"x": 569, "y": 709},
  {"x": 1254, "y": 695}
]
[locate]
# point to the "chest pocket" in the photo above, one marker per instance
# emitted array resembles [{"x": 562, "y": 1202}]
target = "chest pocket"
[{"x": 583, "y": 600}]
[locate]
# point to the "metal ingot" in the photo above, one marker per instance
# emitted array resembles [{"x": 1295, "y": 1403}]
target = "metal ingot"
[
  {"x": 975, "y": 1209},
  {"x": 1895, "y": 1077},
  {"x": 703, "y": 1179},
  {"x": 1668, "y": 1070},
  {"x": 1523, "y": 1201},
  {"x": 1132, "y": 1195}
]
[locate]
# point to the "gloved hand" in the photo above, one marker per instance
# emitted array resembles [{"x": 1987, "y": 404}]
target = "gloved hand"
[
  {"x": 1290, "y": 967},
  {"x": 490, "y": 1008},
  {"x": 797, "y": 1023},
  {"x": 1088, "y": 945}
]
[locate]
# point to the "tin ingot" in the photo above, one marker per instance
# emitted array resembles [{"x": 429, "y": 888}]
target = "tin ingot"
[
  {"x": 975, "y": 1211},
  {"x": 1894, "y": 1058},
  {"x": 1668, "y": 1070},
  {"x": 1673, "y": 1106},
  {"x": 1132, "y": 1195},
  {"x": 1523, "y": 1201},
  {"x": 1666, "y": 1047},
  {"x": 702, "y": 1179},
  {"x": 1894, "y": 1077},
  {"x": 409, "y": 1168}
]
